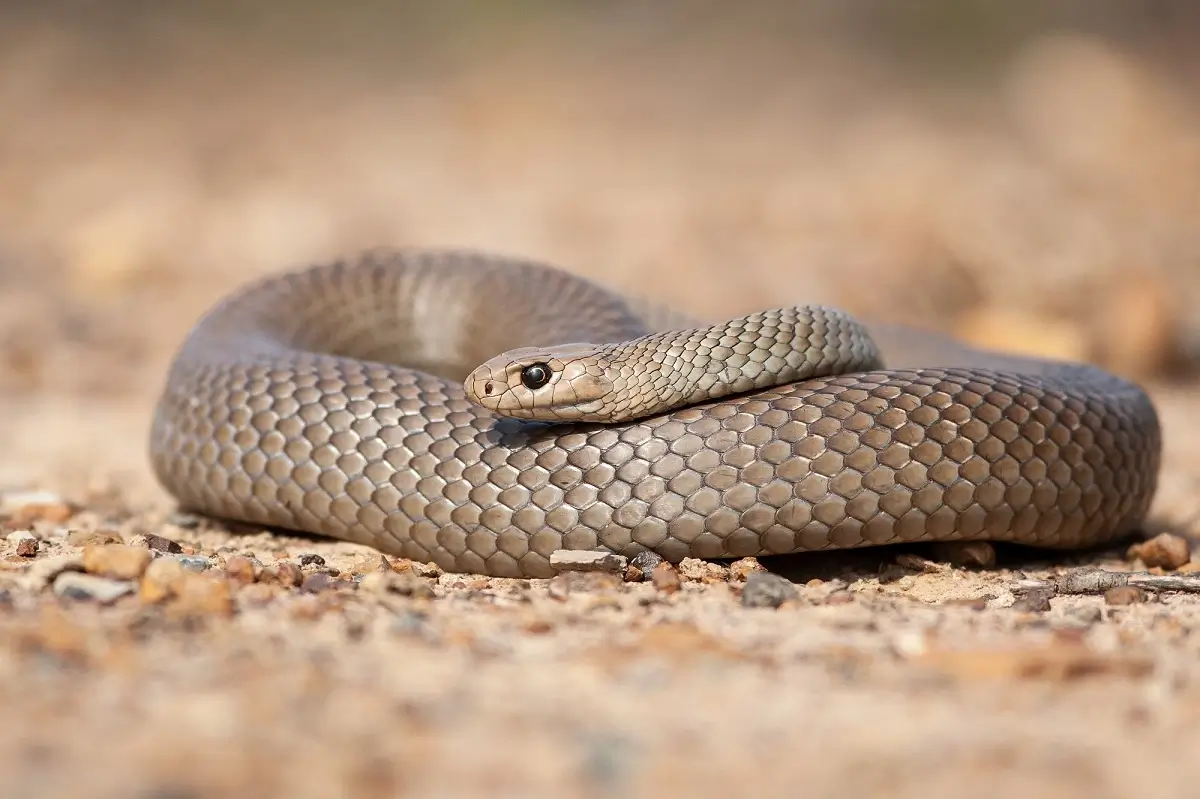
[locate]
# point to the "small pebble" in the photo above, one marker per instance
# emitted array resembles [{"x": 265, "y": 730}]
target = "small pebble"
[
  {"x": 586, "y": 560},
  {"x": 202, "y": 595},
  {"x": 25, "y": 542},
  {"x": 371, "y": 563},
  {"x": 1034, "y": 602},
  {"x": 165, "y": 545},
  {"x": 42, "y": 572},
  {"x": 194, "y": 563},
  {"x": 73, "y": 585},
  {"x": 1124, "y": 595},
  {"x": 116, "y": 561},
  {"x": 311, "y": 559},
  {"x": 641, "y": 566},
  {"x": 766, "y": 590},
  {"x": 702, "y": 571},
  {"x": 92, "y": 538},
  {"x": 1165, "y": 550},
  {"x": 241, "y": 570},
  {"x": 739, "y": 570},
  {"x": 161, "y": 580},
  {"x": 285, "y": 574},
  {"x": 665, "y": 578},
  {"x": 431, "y": 570}
]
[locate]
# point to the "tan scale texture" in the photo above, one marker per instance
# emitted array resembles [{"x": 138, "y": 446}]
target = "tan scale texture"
[
  {"x": 662, "y": 371},
  {"x": 1022, "y": 179},
  {"x": 253, "y": 428}
]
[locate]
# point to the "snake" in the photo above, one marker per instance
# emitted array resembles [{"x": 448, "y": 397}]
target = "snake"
[{"x": 483, "y": 411}]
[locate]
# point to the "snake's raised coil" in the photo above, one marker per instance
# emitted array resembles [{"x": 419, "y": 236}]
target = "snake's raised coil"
[{"x": 331, "y": 400}]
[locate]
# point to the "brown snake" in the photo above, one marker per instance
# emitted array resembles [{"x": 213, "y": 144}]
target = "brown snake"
[{"x": 331, "y": 401}]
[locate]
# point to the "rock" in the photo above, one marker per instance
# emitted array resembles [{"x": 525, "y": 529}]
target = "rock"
[
  {"x": 184, "y": 592},
  {"x": 23, "y": 508},
  {"x": 159, "y": 543},
  {"x": 92, "y": 538},
  {"x": 701, "y": 571},
  {"x": 194, "y": 563},
  {"x": 198, "y": 595},
  {"x": 285, "y": 574},
  {"x": 665, "y": 578},
  {"x": 242, "y": 570},
  {"x": 1124, "y": 595},
  {"x": 741, "y": 569},
  {"x": 161, "y": 580},
  {"x": 116, "y": 561},
  {"x": 24, "y": 542},
  {"x": 42, "y": 572},
  {"x": 766, "y": 590},
  {"x": 430, "y": 570},
  {"x": 371, "y": 563},
  {"x": 646, "y": 561},
  {"x": 1033, "y": 602},
  {"x": 73, "y": 585},
  {"x": 311, "y": 559},
  {"x": 1165, "y": 550},
  {"x": 586, "y": 560}
]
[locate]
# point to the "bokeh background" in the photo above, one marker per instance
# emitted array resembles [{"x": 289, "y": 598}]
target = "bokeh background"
[{"x": 1024, "y": 175}]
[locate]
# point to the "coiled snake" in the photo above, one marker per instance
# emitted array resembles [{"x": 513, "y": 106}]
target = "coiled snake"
[{"x": 348, "y": 399}]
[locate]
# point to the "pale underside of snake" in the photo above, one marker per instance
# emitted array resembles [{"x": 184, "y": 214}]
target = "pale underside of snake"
[{"x": 373, "y": 400}]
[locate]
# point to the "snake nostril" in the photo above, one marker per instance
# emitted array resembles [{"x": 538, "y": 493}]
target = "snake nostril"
[{"x": 487, "y": 387}]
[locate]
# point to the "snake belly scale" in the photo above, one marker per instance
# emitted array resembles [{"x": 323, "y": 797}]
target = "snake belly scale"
[{"x": 330, "y": 400}]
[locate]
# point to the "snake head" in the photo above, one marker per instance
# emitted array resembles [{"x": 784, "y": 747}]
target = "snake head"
[{"x": 562, "y": 383}]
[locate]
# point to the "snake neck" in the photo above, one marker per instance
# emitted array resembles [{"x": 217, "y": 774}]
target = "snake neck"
[{"x": 663, "y": 371}]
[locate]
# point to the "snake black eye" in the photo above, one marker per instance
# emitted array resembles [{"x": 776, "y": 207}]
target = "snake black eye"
[{"x": 535, "y": 375}]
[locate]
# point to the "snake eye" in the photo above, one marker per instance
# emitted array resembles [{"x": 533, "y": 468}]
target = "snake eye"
[{"x": 535, "y": 375}]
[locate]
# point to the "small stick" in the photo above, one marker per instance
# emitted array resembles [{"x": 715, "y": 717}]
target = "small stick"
[{"x": 1097, "y": 581}]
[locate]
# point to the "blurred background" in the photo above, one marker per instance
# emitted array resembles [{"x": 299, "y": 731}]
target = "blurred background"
[{"x": 1022, "y": 175}]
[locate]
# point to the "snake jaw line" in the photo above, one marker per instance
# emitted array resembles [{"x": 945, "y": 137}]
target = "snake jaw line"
[{"x": 576, "y": 389}]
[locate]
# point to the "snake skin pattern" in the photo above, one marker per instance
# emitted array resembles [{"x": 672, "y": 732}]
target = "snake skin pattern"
[
  {"x": 660, "y": 372},
  {"x": 331, "y": 401}
]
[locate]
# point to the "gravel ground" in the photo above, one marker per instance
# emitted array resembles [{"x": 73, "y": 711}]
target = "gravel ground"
[{"x": 151, "y": 654}]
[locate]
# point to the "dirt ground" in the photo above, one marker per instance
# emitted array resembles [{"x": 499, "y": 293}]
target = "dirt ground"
[{"x": 1045, "y": 203}]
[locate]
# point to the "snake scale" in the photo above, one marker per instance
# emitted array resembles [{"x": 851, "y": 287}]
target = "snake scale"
[{"x": 419, "y": 402}]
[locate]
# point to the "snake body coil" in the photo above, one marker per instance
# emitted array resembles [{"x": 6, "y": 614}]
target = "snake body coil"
[{"x": 331, "y": 400}]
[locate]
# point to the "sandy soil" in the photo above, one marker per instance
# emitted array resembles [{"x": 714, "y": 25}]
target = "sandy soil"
[{"x": 1052, "y": 210}]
